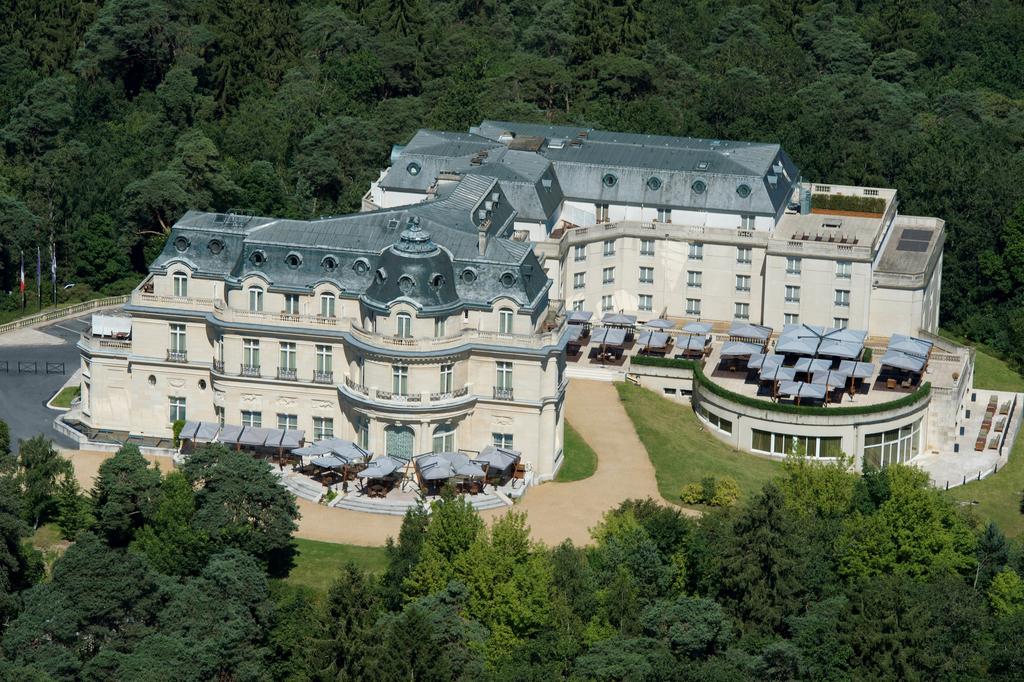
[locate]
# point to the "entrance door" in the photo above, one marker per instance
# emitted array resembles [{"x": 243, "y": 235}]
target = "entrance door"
[{"x": 399, "y": 441}]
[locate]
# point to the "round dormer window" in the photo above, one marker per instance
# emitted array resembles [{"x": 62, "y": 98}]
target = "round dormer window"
[
  {"x": 329, "y": 263},
  {"x": 361, "y": 266},
  {"x": 508, "y": 279},
  {"x": 405, "y": 284},
  {"x": 380, "y": 276},
  {"x": 215, "y": 246},
  {"x": 413, "y": 168},
  {"x": 699, "y": 186},
  {"x": 437, "y": 281},
  {"x": 654, "y": 183},
  {"x": 743, "y": 191},
  {"x": 609, "y": 179},
  {"x": 469, "y": 275},
  {"x": 258, "y": 258},
  {"x": 293, "y": 260},
  {"x": 181, "y": 244}
]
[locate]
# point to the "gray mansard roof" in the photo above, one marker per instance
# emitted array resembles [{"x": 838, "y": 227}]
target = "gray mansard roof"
[
  {"x": 373, "y": 255},
  {"x": 596, "y": 166}
]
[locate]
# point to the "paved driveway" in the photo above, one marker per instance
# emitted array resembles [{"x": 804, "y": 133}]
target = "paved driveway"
[{"x": 23, "y": 395}]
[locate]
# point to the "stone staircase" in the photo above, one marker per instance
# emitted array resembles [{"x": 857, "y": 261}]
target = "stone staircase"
[
  {"x": 595, "y": 373},
  {"x": 398, "y": 506},
  {"x": 302, "y": 487}
]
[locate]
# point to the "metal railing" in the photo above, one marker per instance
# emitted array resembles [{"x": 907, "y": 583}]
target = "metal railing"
[
  {"x": 449, "y": 395},
  {"x": 323, "y": 377},
  {"x": 250, "y": 370},
  {"x": 218, "y": 366},
  {"x": 177, "y": 355},
  {"x": 287, "y": 374},
  {"x": 358, "y": 388},
  {"x": 503, "y": 393},
  {"x": 398, "y": 397}
]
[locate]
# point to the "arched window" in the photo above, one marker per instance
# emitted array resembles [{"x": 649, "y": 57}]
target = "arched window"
[
  {"x": 327, "y": 305},
  {"x": 444, "y": 438},
  {"x": 404, "y": 326},
  {"x": 256, "y": 300},
  {"x": 180, "y": 284},
  {"x": 505, "y": 321}
]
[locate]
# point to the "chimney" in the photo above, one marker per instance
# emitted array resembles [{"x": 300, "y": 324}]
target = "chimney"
[{"x": 481, "y": 235}]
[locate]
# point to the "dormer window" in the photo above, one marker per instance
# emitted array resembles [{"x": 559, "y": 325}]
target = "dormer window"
[
  {"x": 256, "y": 300},
  {"x": 743, "y": 191},
  {"x": 180, "y": 280},
  {"x": 505, "y": 321},
  {"x": 258, "y": 258},
  {"x": 406, "y": 284},
  {"x": 329, "y": 263},
  {"x": 181, "y": 244},
  {"x": 327, "y": 305},
  {"x": 413, "y": 168},
  {"x": 293, "y": 260},
  {"x": 508, "y": 279},
  {"x": 609, "y": 179},
  {"x": 404, "y": 329},
  {"x": 654, "y": 183},
  {"x": 215, "y": 246},
  {"x": 361, "y": 266}
]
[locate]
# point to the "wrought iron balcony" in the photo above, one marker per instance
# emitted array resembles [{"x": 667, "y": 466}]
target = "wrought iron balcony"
[
  {"x": 358, "y": 388},
  {"x": 449, "y": 395},
  {"x": 250, "y": 370},
  {"x": 177, "y": 356},
  {"x": 398, "y": 397},
  {"x": 323, "y": 377},
  {"x": 503, "y": 393},
  {"x": 218, "y": 366},
  {"x": 287, "y": 374}
]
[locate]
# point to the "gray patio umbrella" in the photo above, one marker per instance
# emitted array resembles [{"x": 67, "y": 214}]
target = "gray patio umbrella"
[
  {"x": 697, "y": 327},
  {"x": 619, "y": 319},
  {"x": 737, "y": 349},
  {"x": 653, "y": 339},
  {"x": 345, "y": 449},
  {"x": 292, "y": 438},
  {"x": 579, "y": 316},
  {"x": 434, "y": 467},
  {"x": 691, "y": 342},
  {"x": 777, "y": 373},
  {"x": 858, "y": 370},
  {"x": 812, "y": 365},
  {"x": 207, "y": 432},
  {"x": 764, "y": 360},
  {"x": 311, "y": 450},
  {"x": 254, "y": 436},
  {"x": 911, "y": 363},
  {"x": 801, "y": 389},
  {"x": 659, "y": 323},
  {"x": 608, "y": 336},
  {"x": 381, "y": 467},
  {"x": 330, "y": 462},
  {"x": 498, "y": 458},
  {"x": 188, "y": 431},
  {"x": 832, "y": 378},
  {"x": 575, "y": 332},
  {"x": 229, "y": 434},
  {"x": 909, "y": 345},
  {"x": 745, "y": 330},
  {"x": 469, "y": 469}
]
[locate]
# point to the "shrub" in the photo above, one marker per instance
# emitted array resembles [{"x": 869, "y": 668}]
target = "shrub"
[
  {"x": 842, "y": 202},
  {"x": 655, "y": 361},
  {"x": 868, "y": 354},
  {"x": 712, "y": 491},
  {"x": 176, "y": 427}
]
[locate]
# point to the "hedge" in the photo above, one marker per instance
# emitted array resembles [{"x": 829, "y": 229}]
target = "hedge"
[
  {"x": 843, "y": 202},
  {"x": 761, "y": 404}
]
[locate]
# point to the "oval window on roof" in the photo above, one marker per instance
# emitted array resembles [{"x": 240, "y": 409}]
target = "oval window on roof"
[
  {"x": 293, "y": 260},
  {"x": 257, "y": 258},
  {"x": 508, "y": 278},
  {"x": 469, "y": 275},
  {"x": 654, "y": 183},
  {"x": 380, "y": 276},
  {"x": 609, "y": 179},
  {"x": 699, "y": 186},
  {"x": 437, "y": 281},
  {"x": 361, "y": 266},
  {"x": 329, "y": 263},
  {"x": 215, "y": 246},
  {"x": 743, "y": 191},
  {"x": 181, "y": 244},
  {"x": 406, "y": 284},
  {"x": 413, "y": 168}
]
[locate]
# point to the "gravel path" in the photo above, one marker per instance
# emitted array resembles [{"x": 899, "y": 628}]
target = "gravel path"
[{"x": 555, "y": 511}]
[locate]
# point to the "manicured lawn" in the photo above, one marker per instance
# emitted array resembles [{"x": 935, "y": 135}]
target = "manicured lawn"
[
  {"x": 998, "y": 496},
  {"x": 580, "y": 459},
  {"x": 681, "y": 448},
  {"x": 989, "y": 371},
  {"x": 66, "y": 395},
  {"x": 47, "y": 540},
  {"x": 318, "y": 563}
]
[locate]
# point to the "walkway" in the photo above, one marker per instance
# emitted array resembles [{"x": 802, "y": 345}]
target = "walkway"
[{"x": 555, "y": 511}]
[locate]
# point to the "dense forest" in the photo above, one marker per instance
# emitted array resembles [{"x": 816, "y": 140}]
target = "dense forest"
[
  {"x": 117, "y": 116},
  {"x": 822, "y": 575}
]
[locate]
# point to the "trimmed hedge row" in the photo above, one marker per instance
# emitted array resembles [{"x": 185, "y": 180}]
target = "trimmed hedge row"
[
  {"x": 842, "y": 202},
  {"x": 761, "y": 404},
  {"x": 655, "y": 361}
]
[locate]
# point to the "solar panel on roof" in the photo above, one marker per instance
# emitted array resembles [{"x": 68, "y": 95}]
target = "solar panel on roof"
[
  {"x": 917, "y": 235},
  {"x": 911, "y": 245}
]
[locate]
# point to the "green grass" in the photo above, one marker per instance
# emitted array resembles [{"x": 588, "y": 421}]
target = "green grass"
[
  {"x": 66, "y": 395},
  {"x": 683, "y": 451},
  {"x": 998, "y": 496},
  {"x": 580, "y": 459},
  {"x": 317, "y": 564},
  {"x": 990, "y": 371}
]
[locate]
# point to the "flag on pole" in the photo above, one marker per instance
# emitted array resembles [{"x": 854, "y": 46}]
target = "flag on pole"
[
  {"x": 53, "y": 270},
  {"x": 39, "y": 276},
  {"x": 21, "y": 282}
]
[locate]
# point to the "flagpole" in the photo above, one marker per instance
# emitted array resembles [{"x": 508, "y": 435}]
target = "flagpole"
[
  {"x": 21, "y": 284},
  {"x": 53, "y": 268},
  {"x": 39, "y": 276}
]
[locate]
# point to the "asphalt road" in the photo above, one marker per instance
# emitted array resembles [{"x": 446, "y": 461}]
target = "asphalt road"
[{"x": 23, "y": 395}]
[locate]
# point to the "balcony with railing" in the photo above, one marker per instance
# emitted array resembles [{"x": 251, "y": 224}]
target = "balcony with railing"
[
  {"x": 250, "y": 370},
  {"x": 177, "y": 355},
  {"x": 501, "y": 393},
  {"x": 358, "y": 388},
  {"x": 323, "y": 377},
  {"x": 287, "y": 374},
  {"x": 105, "y": 344},
  {"x": 449, "y": 396},
  {"x": 393, "y": 397},
  {"x": 218, "y": 366}
]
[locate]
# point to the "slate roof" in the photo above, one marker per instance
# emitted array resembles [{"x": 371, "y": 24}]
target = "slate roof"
[{"x": 348, "y": 251}]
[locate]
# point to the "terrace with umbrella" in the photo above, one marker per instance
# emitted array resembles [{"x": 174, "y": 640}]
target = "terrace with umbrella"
[
  {"x": 433, "y": 471},
  {"x": 904, "y": 363},
  {"x": 381, "y": 475},
  {"x": 745, "y": 339},
  {"x": 694, "y": 340}
]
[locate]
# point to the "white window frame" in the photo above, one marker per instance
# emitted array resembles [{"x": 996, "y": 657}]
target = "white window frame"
[
  {"x": 696, "y": 251},
  {"x": 403, "y": 325},
  {"x": 791, "y": 318},
  {"x": 840, "y": 322},
  {"x": 693, "y": 307},
  {"x": 324, "y": 358},
  {"x": 440, "y": 327},
  {"x": 447, "y": 377},
  {"x": 741, "y": 311},
  {"x": 291, "y": 304},
  {"x": 177, "y": 408},
  {"x": 502, "y": 440},
  {"x": 443, "y": 438},
  {"x": 842, "y": 298},
  {"x": 289, "y": 355},
  {"x": 400, "y": 379},
  {"x": 179, "y": 338},
  {"x": 252, "y": 418},
  {"x": 503, "y": 377},
  {"x": 694, "y": 279},
  {"x": 645, "y": 303},
  {"x": 646, "y": 274},
  {"x": 608, "y": 249},
  {"x": 506, "y": 321},
  {"x": 580, "y": 253},
  {"x": 744, "y": 255},
  {"x": 327, "y": 305},
  {"x": 251, "y": 352},
  {"x": 844, "y": 269},
  {"x": 646, "y": 247},
  {"x": 608, "y": 275},
  {"x": 792, "y": 293},
  {"x": 323, "y": 427},
  {"x": 664, "y": 215},
  {"x": 255, "y": 300},
  {"x": 607, "y": 303},
  {"x": 579, "y": 280},
  {"x": 180, "y": 283},
  {"x": 743, "y": 283},
  {"x": 794, "y": 265},
  {"x": 287, "y": 421}
]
